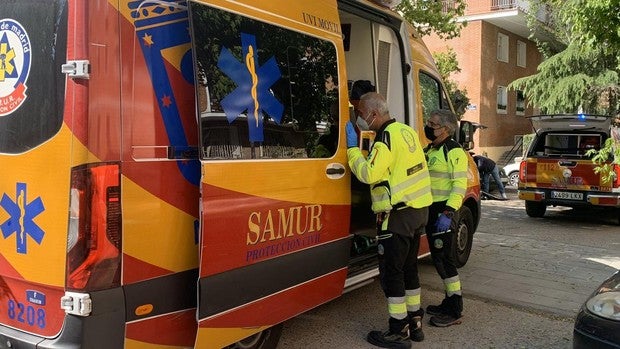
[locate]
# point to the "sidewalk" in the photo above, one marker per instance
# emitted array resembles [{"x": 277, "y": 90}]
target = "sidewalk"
[{"x": 515, "y": 265}]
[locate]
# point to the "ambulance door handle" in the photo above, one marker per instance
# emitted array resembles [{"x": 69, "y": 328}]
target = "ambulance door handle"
[
  {"x": 568, "y": 163},
  {"x": 335, "y": 170}
]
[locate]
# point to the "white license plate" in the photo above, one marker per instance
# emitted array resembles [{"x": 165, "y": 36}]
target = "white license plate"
[{"x": 566, "y": 195}]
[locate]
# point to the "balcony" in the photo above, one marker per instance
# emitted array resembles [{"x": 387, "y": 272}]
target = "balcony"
[
  {"x": 503, "y": 4},
  {"x": 510, "y": 15}
]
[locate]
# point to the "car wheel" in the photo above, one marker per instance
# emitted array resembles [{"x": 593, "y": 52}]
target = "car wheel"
[
  {"x": 535, "y": 208},
  {"x": 513, "y": 178},
  {"x": 266, "y": 339},
  {"x": 461, "y": 246}
]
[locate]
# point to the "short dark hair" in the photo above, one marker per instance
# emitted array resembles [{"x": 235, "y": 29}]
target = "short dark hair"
[{"x": 360, "y": 88}]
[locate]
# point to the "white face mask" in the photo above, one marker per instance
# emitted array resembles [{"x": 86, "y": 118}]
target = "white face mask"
[{"x": 362, "y": 124}]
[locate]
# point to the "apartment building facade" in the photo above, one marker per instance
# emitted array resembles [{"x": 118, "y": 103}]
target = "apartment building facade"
[{"x": 493, "y": 51}]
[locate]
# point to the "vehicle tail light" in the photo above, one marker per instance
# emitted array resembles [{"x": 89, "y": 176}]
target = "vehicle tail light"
[
  {"x": 522, "y": 171},
  {"x": 616, "y": 176},
  {"x": 94, "y": 237}
]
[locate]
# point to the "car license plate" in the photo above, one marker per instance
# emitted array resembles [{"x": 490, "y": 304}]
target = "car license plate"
[{"x": 566, "y": 195}]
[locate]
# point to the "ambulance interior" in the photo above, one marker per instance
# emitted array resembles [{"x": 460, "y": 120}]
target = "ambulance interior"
[{"x": 372, "y": 53}]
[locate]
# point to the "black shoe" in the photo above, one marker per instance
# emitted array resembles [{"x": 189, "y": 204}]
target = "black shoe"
[
  {"x": 387, "y": 339},
  {"x": 396, "y": 337},
  {"x": 438, "y": 309},
  {"x": 445, "y": 320},
  {"x": 415, "y": 325},
  {"x": 415, "y": 333}
]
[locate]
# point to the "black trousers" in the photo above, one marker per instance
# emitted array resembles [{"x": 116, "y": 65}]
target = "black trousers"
[
  {"x": 398, "y": 250},
  {"x": 441, "y": 245}
]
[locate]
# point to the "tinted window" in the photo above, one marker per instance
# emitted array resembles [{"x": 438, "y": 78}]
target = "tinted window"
[
  {"x": 433, "y": 96},
  {"x": 33, "y": 42},
  {"x": 263, "y": 91}
]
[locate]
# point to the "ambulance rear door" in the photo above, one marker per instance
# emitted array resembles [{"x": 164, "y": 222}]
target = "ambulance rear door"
[{"x": 275, "y": 196}]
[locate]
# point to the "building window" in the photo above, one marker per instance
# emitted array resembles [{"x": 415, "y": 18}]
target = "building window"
[
  {"x": 502, "y": 100},
  {"x": 521, "y": 53},
  {"x": 520, "y": 103},
  {"x": 447, "y": 6},
  {"x": 502, "y": 47}
]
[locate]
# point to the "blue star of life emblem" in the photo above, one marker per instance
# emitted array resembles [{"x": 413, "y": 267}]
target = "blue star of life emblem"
[
  {"x": 253, "y": 84},
  {"x": 21, "y": 220}
]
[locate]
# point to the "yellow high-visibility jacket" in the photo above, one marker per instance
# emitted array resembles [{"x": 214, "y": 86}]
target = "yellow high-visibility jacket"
[
  {"x": 447, "y": 164},
  {"x": 395, "y": 168}
]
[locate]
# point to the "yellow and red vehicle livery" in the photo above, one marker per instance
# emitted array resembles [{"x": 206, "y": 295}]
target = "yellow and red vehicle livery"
[
  {"x": 558, "y": 169},
  {"x": 173, "y": 173}
]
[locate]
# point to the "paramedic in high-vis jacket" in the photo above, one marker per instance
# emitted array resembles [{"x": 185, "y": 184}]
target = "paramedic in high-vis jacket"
[
  {"x": 397, "y": 173},
  {"x": 447, "y": 164}
]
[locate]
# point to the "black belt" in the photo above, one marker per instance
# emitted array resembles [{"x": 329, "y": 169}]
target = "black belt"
[{"x": 399, "y": 205}]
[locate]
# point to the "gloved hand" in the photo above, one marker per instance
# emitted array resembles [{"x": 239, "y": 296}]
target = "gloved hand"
[
  {"x": 351, "y": 135},
  {"x": 443, "y": 223}
]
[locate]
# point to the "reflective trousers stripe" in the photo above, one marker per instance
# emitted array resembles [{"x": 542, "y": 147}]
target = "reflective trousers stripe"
[
  {"x": 452, "y": 285},
  {"x": 412, "y": 299},
  {"x": 397, "y": 307}
]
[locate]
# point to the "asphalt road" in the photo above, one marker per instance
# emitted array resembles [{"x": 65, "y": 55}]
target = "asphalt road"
[{"x": 523, "y": 285}]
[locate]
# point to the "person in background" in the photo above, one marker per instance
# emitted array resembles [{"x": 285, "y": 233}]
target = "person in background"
[
  {"x": 400, "y": 188},
  {"x": 447, "y": 164},
  {"x": 488, "y": 168}
]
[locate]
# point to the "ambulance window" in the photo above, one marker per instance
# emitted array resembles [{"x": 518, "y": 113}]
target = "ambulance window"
[
  {"x": 33, "y": 47},
  {"x": 433, "y": 95},
  {"x": 264, "y": 91}
]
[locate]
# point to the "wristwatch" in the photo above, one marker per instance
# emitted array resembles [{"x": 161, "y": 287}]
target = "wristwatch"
[{"x": 449, "y": 214}]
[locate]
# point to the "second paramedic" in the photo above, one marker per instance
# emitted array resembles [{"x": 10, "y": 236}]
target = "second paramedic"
[
  {"x": 447, "y": 163},
  {"x": 397, "y": 173}
]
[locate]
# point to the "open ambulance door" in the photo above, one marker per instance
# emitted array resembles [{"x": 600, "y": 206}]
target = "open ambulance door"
[{"x": 275, "y": 193}]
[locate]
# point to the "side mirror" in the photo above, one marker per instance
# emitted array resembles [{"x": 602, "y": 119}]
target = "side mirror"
[{"x": 466, "y": 135}]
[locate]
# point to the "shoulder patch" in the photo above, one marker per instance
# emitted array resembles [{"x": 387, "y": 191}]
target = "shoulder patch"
[{"x": 386, "y": 139}]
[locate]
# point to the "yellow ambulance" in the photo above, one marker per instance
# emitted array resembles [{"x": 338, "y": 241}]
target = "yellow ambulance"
[{"x": 173, "y": 173}]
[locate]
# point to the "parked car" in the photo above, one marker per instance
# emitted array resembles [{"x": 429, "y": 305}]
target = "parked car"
[
  {"x": 597, "y": 324},
  {"x": 511, "y": 171},
  {"x": 558, "y": 168}
]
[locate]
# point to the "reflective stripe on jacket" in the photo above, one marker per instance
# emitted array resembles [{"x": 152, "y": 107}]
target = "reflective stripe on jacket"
[
  {"x": 395, "y": 168},
  {"x": 448, "y": 169}
]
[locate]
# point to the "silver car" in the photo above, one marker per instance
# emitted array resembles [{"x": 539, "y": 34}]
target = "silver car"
[{"x": 511, "y": 171}]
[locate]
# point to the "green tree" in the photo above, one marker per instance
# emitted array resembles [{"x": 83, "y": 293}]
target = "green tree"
[
  {"x": 447, "y": 64},
  {"x": 434, "y": 16},
  {"x": 583, "y": 71},
  {"x": 578, "y": 78}
]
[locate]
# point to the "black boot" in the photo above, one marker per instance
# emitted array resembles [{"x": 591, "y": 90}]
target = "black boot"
[
  {"x": 453, "y": 315},
  {"x": 438, "y": 309},
  {"x": 394, "y": 338},
  {"x": 415, "y": 325}
]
